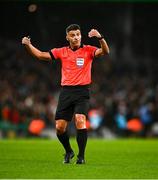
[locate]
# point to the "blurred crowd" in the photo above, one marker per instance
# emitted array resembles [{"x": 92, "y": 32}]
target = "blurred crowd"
[{"x": 124, "y": 101}]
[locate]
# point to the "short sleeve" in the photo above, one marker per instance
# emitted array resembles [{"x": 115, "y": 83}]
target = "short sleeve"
[
  {"x": 56, "y": 52},
  {"x": 92, "y": 50}
]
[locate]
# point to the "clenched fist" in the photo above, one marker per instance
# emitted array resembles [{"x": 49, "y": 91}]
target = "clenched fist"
[
  {"x": 26, "y": 40},
  {"x": 94, "y": 33}
]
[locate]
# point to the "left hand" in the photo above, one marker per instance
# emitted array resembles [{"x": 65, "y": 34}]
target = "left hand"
[{"x": 94, "y": 33}]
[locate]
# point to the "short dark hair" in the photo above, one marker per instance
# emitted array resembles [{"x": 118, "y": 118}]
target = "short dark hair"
[{"x": 72, "y": 27}]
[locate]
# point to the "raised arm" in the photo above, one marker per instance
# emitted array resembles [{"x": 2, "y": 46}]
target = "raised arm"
[
  {"x": 104, "y": 49},
  {"x": 34, "y": 51}
]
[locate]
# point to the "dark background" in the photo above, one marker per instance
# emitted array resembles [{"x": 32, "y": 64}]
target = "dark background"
[{"x": 130, "y": 28}]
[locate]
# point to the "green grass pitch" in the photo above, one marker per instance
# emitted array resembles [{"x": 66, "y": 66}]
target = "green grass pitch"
[{"x": 106, "y": 159}]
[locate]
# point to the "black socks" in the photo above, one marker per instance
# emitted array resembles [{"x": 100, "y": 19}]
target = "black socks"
[
  {"x": 64, "y": 139},
  {"x": 81, "y": 141}
]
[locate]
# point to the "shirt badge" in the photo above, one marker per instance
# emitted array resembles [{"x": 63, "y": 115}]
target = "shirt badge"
[{"x": 80, "y": 62}]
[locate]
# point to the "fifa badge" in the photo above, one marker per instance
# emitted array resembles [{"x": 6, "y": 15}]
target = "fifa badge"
[{"x": 80, "y": 62}]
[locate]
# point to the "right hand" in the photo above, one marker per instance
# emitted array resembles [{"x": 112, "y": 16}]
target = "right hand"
[{"x": 26, "y": 40}]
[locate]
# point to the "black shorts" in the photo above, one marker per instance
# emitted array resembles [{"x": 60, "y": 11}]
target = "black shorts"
[{"x": 72, "y": 100}]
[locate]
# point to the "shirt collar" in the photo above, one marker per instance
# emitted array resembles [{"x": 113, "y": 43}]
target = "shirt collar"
[{"x": 81, "y": 46}]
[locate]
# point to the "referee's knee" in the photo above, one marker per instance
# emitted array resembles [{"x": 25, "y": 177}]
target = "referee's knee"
[
  {"x": 61, "y": 126},
  {"x": 80, "y": 121}
]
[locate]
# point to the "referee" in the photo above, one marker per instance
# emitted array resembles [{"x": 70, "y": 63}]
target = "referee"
[{"x": 76, "y": 60}]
